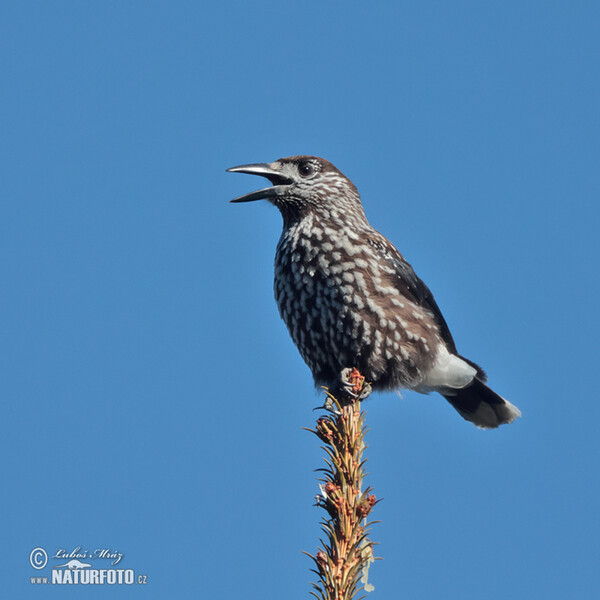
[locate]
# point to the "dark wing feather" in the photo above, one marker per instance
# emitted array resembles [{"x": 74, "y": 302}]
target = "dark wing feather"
[{"x": 412, "y": 287}]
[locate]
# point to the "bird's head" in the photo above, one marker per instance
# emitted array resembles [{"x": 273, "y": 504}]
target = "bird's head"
[{"x": 304, "y": 185}]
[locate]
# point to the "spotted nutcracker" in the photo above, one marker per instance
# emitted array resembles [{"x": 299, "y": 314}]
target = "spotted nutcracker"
[{"x": 350, "y": 300}]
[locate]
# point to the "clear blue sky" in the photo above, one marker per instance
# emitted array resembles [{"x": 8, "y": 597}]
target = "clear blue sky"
[{"x": 152, "y": 402}]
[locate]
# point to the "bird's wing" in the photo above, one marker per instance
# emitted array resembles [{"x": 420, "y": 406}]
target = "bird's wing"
[
  {"x": 411, "y": 286},
  {"x": 408, "y": 283}
]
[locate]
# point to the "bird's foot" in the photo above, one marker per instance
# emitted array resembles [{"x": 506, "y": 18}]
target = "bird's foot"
[{"x": 352, "y": 385}]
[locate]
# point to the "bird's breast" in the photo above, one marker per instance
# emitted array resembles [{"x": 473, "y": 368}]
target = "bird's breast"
[{"x": 341, "y": 309}]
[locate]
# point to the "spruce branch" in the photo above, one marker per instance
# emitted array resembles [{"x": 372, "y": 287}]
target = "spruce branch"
[{"x": 343, "y": 560}]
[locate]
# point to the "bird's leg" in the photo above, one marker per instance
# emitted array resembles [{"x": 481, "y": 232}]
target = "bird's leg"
[{"x": 352, "y": 384}]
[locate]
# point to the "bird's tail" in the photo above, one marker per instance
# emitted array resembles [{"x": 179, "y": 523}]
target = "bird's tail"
[{"x": 481, "y": 405}]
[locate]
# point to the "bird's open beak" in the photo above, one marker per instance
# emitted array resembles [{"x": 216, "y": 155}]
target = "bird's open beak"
[{"x": 265, "y": 170}]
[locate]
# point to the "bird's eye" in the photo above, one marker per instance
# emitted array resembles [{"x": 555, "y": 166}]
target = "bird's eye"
[{"x": 305, "y": 169}]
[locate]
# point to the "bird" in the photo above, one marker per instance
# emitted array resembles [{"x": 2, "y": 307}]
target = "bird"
[{"x": 350, "y": 300}]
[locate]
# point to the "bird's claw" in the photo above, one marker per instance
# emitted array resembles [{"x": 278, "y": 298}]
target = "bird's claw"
[{"x": 353, "y": 385}]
